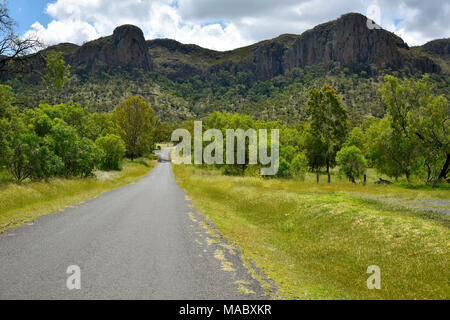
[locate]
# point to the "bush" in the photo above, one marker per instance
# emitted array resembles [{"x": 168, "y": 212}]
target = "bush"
[
  {"x": 79, "y": 156},
  {"x": 113, "y": 149},
  {"x": 284, "y": 169},
  {"x": 352, "y": 162},
  {"x": 299, "y": 165}
]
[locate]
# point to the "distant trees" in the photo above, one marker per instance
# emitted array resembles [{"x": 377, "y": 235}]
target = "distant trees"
[{"x": 134, "y": 119}]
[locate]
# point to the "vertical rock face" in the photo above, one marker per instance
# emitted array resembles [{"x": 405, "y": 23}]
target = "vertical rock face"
[
  {"x": 268, "y": 58},
  {"x": 347, "y": 40},
  {"x": 126, "y": 47}
]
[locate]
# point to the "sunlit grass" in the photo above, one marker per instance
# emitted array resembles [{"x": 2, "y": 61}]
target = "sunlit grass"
[
  {"x": 317, "y": 240},
  {"x": 24, "y": 202}
]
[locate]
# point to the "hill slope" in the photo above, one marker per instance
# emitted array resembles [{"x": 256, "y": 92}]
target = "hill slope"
[{"x": 269, "y": 79}]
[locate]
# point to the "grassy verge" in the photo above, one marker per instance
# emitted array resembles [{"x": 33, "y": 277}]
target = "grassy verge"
[
  {"x": 317, "y": 241},
  {"x": 20, "y": 203}
]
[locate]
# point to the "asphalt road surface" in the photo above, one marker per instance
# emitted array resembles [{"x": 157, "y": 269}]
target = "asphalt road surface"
[{"x": 141, "y": 241}]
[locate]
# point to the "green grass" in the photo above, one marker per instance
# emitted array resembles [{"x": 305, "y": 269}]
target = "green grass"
[
  {"x": 317, "y": 240},
  {"x": 20, "y": 203}
]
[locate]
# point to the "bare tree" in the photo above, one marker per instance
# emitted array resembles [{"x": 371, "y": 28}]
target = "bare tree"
[{"x": 13, "y": 48}]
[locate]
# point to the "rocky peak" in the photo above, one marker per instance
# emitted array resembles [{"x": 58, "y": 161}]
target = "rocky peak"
[
  {"x": 125, "y": 48},
  {"x": 347, "y": 40}
]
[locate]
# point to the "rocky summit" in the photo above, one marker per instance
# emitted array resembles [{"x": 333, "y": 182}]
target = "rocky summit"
[{"x": 347, "y": 40}]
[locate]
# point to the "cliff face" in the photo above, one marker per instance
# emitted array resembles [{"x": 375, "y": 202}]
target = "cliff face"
[
  {"x": 126, "y": 47},
  {"x": 347, "y": 40}
]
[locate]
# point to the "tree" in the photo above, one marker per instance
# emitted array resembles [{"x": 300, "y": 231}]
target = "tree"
[
  {"x": 355, "y": 138},
  {"x": 163, "y": 132},
  {"x": 79, "y": 156},
  {"x": 12, "y": 47},
  {"x": 57, "y": 71},
  {"x": 389, "y": 151},
  {"x": 134, "y": 118},
  {"x": 422, "y": 120},
  {"x": 113, "y": 151},
  {"x": 299, "y": 165},
  {"x": 284, "y": 168},
  {"x": 315, "y": 149},
  {"x": 224, "y": 121},
  {"x": 328, "y": 120},
  {"x": 352, "y": 162},
  {"x": 28, "y": 155}
]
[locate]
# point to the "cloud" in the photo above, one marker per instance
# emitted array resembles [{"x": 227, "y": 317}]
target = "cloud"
[{"x": 225, "y": 25}]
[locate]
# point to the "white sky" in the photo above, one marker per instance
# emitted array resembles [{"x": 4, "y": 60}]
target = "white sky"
[{"x": 228, "y": 24}]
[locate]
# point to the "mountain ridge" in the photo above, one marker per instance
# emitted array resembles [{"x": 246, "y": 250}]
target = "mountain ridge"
[{"x": 346, "y": 40}]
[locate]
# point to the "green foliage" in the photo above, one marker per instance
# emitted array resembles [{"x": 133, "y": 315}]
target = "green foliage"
[
  {"x": 135, "y": 121},
  {"x": 284, "y": 169},
  {"x": 328, "y": 120},
  {"x": 6, "y": 101},
  {"x": 355, "y": 138},
  {"x": 352, "y": 162},
  {"x": 420, "y": 122},
  {"x": 113, "y": 151},
  {"x": 299, "y": 165},
  {"x": 79, "y": 156},
  {"x": 28, "y": 155},
  {"x": 57, "y": 71}
]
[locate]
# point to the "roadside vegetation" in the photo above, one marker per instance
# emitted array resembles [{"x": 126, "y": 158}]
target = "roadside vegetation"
[
  {"x": 316, "y": 241},
  {"x": 345, "y": 197},
  {"x": 411, "y": 141}
]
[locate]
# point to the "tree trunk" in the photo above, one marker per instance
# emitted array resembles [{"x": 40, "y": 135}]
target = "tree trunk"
[{"x": 443, "y": 174}]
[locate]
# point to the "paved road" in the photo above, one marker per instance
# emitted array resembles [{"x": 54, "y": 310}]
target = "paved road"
[{"x": 142, "y": 241}]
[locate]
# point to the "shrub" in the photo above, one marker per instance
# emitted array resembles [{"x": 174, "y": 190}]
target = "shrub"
[
  {"x": 284, "y": 169},
  {"x": 299, "y": 165},
  {"x": 113, "y": 149},
  {"x": 79, "y": 156},
  {"x": 352, "y": 162}
]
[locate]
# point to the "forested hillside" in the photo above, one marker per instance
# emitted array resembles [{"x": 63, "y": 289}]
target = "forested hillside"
[{"x": 269, "y": 80}]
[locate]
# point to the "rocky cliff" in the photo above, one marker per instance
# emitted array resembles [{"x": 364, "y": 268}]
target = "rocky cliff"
[
  {"x": 125, "y": 48},
  {"x": 346, "y": 40}
]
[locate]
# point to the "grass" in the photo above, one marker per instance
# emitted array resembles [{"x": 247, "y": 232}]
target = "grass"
[
  {"x": 20, "y": 203},
  {"x": 316, "y": 241}
]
